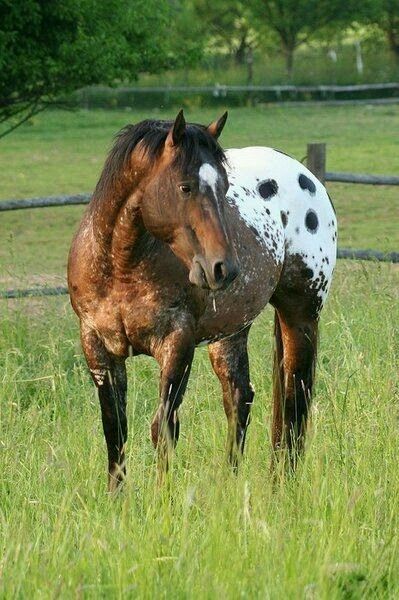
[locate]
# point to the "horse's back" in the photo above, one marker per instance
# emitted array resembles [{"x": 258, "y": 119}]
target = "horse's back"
[{"x": 276, "y": 194}]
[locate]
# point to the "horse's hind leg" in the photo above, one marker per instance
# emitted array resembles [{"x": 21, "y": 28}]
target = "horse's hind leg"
[
  {"x": 109, "y": 375},
  {"x": 294, "y": 369},
  {"x": 229, "y": 360}
]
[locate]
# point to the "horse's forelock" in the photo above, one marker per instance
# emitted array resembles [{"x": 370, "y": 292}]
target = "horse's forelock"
[
  {"x": 196, "y": 140},
  {"x": 150, "y": 136}
]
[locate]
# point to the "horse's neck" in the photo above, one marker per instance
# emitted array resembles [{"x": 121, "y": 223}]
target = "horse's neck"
[{"x": 117, "y": 224}]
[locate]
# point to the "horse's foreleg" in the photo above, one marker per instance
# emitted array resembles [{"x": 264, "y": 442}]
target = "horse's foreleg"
[
  {"x": 109, "y": 375},
  {"x": 294, "y": 368},
  {"x": 229, "y": 360},
  {"x": 174, "y": 356}
]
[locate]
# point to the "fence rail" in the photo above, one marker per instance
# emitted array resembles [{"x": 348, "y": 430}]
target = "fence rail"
[
  {"x": 362, "y": 178},
  {"x": 346, "y": 253},
  {"x": 49, "y": 201},
  {"x": 316, "y": 162},
  {"x": 44, "y": 202},
  {"x": 34, "y": 292},
  {"x": 235, "y": 95}
]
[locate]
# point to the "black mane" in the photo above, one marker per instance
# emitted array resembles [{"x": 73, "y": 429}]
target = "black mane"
[{"x": 152, "y": 133}]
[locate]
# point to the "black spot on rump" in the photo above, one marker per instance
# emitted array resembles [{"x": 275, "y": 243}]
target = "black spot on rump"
[
  {"x": 268, "y": 188},
  {"x": 306, "y": 183},
  {"x": 308, "y": 273},
  {"x": 284, "y": 218},
  {"x": 311, "y": 221}
]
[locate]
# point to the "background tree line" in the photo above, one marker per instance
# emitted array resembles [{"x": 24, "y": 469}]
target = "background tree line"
[{"x": 49, "y": 49}]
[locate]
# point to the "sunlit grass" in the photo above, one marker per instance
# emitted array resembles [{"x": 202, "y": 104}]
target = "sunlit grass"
[{"x": 330, "y": 532}]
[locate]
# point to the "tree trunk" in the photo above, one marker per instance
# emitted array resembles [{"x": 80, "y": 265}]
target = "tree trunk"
[
  {"x": 250, "y": 66},
  {"x": 289, "y": 60},
  {"x": 393, "y": 40},
  {"x": 239, "y": 55}
]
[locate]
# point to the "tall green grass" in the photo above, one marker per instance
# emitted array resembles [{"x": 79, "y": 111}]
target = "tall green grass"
[{"x": 329, "y": 532}]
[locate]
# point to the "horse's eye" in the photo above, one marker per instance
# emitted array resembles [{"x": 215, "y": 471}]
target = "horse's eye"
[{"x": 185, "y": 189}]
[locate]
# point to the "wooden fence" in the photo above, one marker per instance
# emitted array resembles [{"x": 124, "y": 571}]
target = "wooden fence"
[
  {"x": 379, "y": 93},
  {"x": 220, "y": 89},
  {"x": 316, "y": 162}
]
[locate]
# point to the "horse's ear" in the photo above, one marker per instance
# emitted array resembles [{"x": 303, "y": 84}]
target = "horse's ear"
[
  {"x": 176, "y": 132},
  {"x": 216, "y": 128}
]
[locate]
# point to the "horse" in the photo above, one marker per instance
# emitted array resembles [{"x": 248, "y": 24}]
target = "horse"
[{"x": 183, "y": 244}]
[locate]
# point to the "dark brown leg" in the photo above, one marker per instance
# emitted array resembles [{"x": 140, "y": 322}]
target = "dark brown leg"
[
  {"x": 109, "y": 375},
  {"x": 174, "y": 356},
  {"x": 294, "y": 368},
  {"x": 229, "y": 360}
]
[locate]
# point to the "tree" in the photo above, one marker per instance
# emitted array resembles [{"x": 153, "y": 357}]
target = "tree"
[
  {"x": 227, "y": 23},
  {"x": 49, "y": 49},
  {"x": 295, "y": 22},
  {"x": 387, "y": 19}
]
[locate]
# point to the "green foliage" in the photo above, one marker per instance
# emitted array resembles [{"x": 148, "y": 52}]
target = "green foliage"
[
  {"x": 386, "y": 17},
  {"x": 48, "y": 49},
  {"x": 227, "y": 27}
]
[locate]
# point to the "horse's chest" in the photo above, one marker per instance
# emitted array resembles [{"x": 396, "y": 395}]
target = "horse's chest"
[{"x": 260, "y": 250}]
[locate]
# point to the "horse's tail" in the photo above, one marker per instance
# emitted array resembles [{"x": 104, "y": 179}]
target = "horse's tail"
[{"x": 278, "y": 381}]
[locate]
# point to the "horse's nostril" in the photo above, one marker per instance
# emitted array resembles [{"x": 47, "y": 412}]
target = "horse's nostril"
[{"x": 219, "y": 272}]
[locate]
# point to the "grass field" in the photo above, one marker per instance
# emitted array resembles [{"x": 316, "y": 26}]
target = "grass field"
[{"x": 329, "y": 532}]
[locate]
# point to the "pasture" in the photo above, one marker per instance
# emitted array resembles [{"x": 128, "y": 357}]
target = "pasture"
[{"x": 329, "y": 532}]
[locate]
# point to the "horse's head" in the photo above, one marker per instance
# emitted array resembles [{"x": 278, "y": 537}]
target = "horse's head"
[{"x": 184, "y": 201}]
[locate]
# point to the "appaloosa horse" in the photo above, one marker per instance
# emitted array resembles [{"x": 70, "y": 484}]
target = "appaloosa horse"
[{"x": 182, "y": 245}]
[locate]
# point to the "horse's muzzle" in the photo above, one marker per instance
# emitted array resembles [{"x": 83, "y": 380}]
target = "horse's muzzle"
[{"x": 215, "y": 275}]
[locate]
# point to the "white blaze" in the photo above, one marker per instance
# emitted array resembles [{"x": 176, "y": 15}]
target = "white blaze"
[{"x": 208, "y": 176}]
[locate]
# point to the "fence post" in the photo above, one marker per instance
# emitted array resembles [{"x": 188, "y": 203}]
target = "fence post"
[{"x": 316, "y": 160}]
